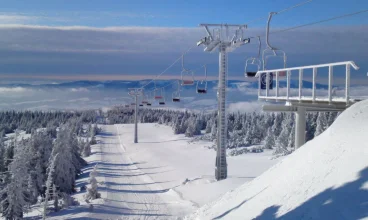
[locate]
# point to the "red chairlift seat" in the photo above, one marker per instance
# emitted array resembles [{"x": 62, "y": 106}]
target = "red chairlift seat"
[
  {"x": 158, "y": 97},
  {"x": 187, "y": 82}
]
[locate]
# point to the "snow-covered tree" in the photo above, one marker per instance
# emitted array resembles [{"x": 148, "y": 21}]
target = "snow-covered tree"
[
  {"x": 15, "y": 195},
  {"x": 282, "y": 141},
  {"x": 49, "y": 183},
  {"x": 92, "y": 192},
  {"x": 270, "y": 139},
  {"x": 322, "y": 123},
  {"x": 86, "y": 149}
]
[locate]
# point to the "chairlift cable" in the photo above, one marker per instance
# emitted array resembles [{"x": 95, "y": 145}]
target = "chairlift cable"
[
  {"x": 180, "y": 57},
  {"x": 282, "y": 11},
  {"x": 321, "y": 21},
  {"x": 315, "y": 22}
]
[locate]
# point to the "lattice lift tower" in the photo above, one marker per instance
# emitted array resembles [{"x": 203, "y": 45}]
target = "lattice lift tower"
[{"x": 220, "y": 38}]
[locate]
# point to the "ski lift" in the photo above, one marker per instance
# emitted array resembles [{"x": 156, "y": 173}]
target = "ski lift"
[
  {"x": 272, "y": 51},
  {"x": 202, "y": 85},
  {"x": 187, "y": 76},
  {"x": 157, "y": 94},
  {"x": 144, "y": 99},
  {"x": 176, "y": 94},
  {"x": 254, "y": 61},
  {"x": 162, "y": 100},
  {"x": 140, "y": 105}
]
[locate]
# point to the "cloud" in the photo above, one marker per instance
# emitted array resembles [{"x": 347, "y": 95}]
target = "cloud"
[
  {"x": 8, "y": 90},
  {"x": 12, "y": 18},
  {"x": 245, "y": 106},
  {"x": 77, "y": 50},
  {"x": 79, "y": 90}
]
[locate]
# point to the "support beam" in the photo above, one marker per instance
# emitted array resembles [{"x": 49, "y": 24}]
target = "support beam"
[
  {"x": 314, "y": 84},
  {"x": 300, "y": 125},
  {"x": 347, "y": 85}
]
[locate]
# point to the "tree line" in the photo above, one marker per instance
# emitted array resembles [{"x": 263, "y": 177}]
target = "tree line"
[{"x": 268, "y": 130}]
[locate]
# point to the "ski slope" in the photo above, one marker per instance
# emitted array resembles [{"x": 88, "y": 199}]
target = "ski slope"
[
  {"x": 164, "y": 176},
  {"x": 327, "y": 178}
]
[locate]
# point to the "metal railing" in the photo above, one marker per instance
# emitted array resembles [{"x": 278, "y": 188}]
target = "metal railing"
[{"x": 288, "y": 71}]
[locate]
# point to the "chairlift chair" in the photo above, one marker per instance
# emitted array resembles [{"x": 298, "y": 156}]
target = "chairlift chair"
[
  {"x": 271, "y": 51},
  {"x": 176, "y": 94},
  {"x": 162, "y": 100},
  {"x": 187, "y": 76},
  {"x": 254, "y": 61},
  {"x": 202, "y": 85},
  {"x": 175, "y": 97},
  {"x": 157, "y": 94}
]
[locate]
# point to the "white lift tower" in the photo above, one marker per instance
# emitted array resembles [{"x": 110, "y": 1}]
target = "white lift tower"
[
  {"x": 220, "y": 38},
  {"x": 135, "y": 93}
]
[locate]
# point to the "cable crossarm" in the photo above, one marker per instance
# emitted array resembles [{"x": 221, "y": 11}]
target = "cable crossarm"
[{"x": 177, "y": 60}]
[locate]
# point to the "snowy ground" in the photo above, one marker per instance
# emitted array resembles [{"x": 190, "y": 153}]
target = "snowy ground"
[
  {"x": 327, "y": 178},
  {"x": 162, "y": 177}
]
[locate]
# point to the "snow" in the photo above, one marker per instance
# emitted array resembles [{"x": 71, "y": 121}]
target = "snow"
[
  {"x": 326, "y": 178},
  {"x": 164, "y": 176}
]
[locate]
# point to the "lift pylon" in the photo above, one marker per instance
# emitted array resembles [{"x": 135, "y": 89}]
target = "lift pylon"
[
  {"x": 135, "y": 93},
  {"x": 220, "y": 38}
]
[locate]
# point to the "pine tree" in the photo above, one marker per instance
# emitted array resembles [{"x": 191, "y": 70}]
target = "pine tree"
[
  {"x": 322, "y": 123},
  {"x": 92, "y": 192},
  {"x": 15, "y": 195},
  {"x": 283, "y": 139},
  {"x": 49, "y": 183},
  {"x": 270, "y": 139},
  {"x": 86, "y": 149}
]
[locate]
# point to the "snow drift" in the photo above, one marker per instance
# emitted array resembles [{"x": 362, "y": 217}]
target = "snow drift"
[{"x": 327, "y": 178}]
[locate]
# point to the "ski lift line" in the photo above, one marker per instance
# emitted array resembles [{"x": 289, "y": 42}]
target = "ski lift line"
[
  {"x": 321, "y": 21},
  {"x": 315, "y": 22},
  {"x": 282, "y": 11},
  {"x": 180, "y": 57}
]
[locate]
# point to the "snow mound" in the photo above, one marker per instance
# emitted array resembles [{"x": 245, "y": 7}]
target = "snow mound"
[{"x": 327, "y": 178}]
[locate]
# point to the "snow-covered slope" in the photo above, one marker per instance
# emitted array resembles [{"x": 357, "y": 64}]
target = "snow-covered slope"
[{"x": 327, "y": 178}]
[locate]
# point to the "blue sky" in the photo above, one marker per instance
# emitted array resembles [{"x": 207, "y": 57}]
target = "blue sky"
[
  {"x": 179, "y": 13},
  {"x": 142, "y": 37}
]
